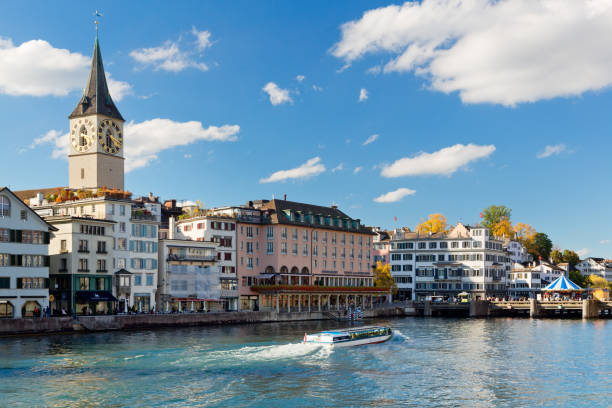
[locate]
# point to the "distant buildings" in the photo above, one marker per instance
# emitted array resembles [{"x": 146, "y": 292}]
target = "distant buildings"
[
  {"x": 466, "y": 259},
  {"x": 596, "y": 266},
  {"x": 524, "y": 281},
  {"x": 548, "y": 272},
  {"x": 24, "y": 260},
  {"x": 517, "y": 252}
]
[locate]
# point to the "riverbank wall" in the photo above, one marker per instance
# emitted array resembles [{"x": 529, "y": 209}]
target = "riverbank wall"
[{"x": 148, "y": 321}]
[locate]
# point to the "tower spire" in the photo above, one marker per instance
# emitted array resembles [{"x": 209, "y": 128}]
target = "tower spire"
[{"x": 96, "y": 97}]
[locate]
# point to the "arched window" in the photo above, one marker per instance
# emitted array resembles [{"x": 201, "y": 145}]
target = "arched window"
[
  {"x": 5, "y": 207},
  {"x": 284, "y": 269},
  {"x": 31, "y": 308},
  {"x": 295, "y": 270},
  {"x": 270, "y": 269},
  {"x": 305, "y": 271},
  {"x": 6, "y": 309}
]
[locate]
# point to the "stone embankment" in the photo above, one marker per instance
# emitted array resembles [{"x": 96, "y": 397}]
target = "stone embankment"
[{"x": 145, "y": 321}]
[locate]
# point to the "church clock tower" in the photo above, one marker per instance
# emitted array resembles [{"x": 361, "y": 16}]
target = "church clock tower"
[{"x": 96, "y": 135}]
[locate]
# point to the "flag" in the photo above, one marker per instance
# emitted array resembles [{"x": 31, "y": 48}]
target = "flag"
[
  {"x": 395, "y": 218},
  {"x": 480, "y": 215}
]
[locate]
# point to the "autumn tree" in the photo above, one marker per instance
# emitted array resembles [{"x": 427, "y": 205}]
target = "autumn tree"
[
  {"x": 435, "y": 223},
  {"x": 503, "y": 228},
  {"x": 556, "y": 256},
  {"x": 524, "y": 233},
  {"x": 596, "y": 281},
  {"x": 383, "y": 278},
  {"x": 493, "y": 215}
]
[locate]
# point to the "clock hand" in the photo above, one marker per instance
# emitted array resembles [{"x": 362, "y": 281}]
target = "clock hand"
[{"x": 117, "y": 142}]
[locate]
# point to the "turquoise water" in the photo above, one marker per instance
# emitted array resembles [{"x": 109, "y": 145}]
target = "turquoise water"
[{"x": 430, "y": 362}]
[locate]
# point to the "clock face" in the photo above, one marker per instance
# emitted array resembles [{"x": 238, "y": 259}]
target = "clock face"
[
  {"x": 82, "y": 135},
  {"x": 110, "y": 136}
]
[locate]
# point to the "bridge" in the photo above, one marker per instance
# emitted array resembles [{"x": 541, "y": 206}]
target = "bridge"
[{"x": 586, "y": 309}]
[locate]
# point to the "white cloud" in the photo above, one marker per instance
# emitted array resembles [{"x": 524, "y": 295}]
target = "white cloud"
[
  {"x": 187, "y": 156},
  {"x": 277, "y": 95},
  {"x": 552, "y": 150},
  {"x": 363, "y": 94},
  {"x": 375, "y": 70},
  {"x": 445, "y": 161},
  {"x": 605, "y": 241},
  {"x": 170, "y": 57},
  {"x": 317, "y": 88},
  {"x": 502, "y": 52},
  {"x": 300, "y": 78},
  {"x": 394, "y": 196},
  {"x": 145, "y": 140},
  {"x": 36, "y": 68},
  {"x": 309, "y": 169},
  {"x": 357, "y": 169},
  {"x": 583, "y": 252},
  {"x": 339, "y": 167},
  {"x": 371, "y": 139},
  {"x": 202, "y": 38}
]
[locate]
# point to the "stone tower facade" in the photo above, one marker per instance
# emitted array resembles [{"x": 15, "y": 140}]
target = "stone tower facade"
[{"x": 96, "y": 135}]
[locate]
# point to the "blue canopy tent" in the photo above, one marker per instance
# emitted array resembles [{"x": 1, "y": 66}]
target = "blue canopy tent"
[{"x": 562, "y": 284}]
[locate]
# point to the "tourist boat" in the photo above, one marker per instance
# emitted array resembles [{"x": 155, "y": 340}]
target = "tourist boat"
[{"x": 355, "y": 336}]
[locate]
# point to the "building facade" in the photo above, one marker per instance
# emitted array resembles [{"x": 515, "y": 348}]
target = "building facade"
[
  {"x": 596, "y": 266},
  {"x": 219, "y": 226},
  {"x": 188, "y": 278},
  {"x": 24, "y": 260},
  {"x": 466, "y": 259},
  {"x": 292, "y": 244},
  {"x": 524, "y": 282}
]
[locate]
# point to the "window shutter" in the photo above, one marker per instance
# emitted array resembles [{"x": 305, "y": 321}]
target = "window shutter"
[
  {"x": 154, "y": 263},
  {"x": 132, "y": 246},
  {"x": 132, "y": 263},
  {"x": 133, "y": 229},
  {"x": 19, "y": 283},
  {"x": 18, "y": 235},
  {"x": 47, "y": 237}
]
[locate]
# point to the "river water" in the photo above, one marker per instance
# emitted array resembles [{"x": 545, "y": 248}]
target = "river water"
[{"x": 429, "y": 362}]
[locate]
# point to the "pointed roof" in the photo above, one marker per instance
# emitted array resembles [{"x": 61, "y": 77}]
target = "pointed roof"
[
  {"x": 561, "y": 284},
  {"x": 96, "y": 97}
]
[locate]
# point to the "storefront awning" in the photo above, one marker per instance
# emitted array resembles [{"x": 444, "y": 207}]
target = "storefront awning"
[
  {"x": 266, "y": 275},
  {"x": 95, "y": 296}
]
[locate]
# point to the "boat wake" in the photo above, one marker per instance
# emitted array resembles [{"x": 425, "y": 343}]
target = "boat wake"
[
  {"x": 279, "y": 352},
  {"x": 399, "y": 336}
]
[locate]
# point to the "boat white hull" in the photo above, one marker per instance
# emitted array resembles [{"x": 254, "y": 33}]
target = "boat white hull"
[{"x": 356, "y": 342}]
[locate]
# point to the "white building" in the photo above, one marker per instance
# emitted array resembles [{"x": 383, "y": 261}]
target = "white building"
[
  {"x": 517, "y": 252},
  {"x": 596, "y": 266},
  {"x": 524, "y": 281},
  {"x": 188, "y": 276},
  {"x": 548, "y": 272},
  {"x": 81, "y": 259},
  {"x": 445, "y": 264},
  {"x": 24, "y": 260},
  {"x": 219, "y": 227}
]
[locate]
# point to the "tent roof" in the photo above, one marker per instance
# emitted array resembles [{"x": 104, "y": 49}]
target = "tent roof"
[{"x": 562, "y": 283}]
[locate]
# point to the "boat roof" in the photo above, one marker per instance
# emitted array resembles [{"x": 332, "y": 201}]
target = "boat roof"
[{"x": 352, "y": 330}]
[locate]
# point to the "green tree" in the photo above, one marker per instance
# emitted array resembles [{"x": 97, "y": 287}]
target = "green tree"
[
  {"x": 556, "y": 256},
  {"x": 494, "y": 214},
  {"x": 578, "y": 279},
  {"x": 571, "y": 257},
  {"x": 383, "y": 278},
  {"x": 542, "y": 245}
]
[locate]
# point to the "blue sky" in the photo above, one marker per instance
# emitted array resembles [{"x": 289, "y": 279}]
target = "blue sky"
[{"x": 468, "y": 105}]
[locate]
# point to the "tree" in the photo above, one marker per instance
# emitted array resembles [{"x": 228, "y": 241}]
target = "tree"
[
  {"x": 542, "y": 245},
  {"x": 524, "y": 233},
  {"x": 571, "y": 257},
  {"x": 596, "y": 281},
  {"x": 556, "y": 256},
  {"x": 494, "y": 214},
  {"x": 503, "y": 228},
  {"x": 435, "y": 223},
  {"x": 578, "y": 279},
  {"x": 383, "y": 278}
]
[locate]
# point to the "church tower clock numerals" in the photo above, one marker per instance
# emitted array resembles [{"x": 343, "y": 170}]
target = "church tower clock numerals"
[
  {"x": 82, "y": 135},
  {"x": 110, "y": 136}
]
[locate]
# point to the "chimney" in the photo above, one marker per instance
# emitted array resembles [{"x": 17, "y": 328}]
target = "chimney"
[
  {"x": 171, "y": 227},
  {"x": 285, "y": 197}
]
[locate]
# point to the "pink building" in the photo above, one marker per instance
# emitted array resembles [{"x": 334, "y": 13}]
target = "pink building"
[{"x": 295, "y": 254}]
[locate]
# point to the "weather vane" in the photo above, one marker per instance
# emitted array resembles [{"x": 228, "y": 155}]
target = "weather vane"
[{"x": 97, "y": 14}]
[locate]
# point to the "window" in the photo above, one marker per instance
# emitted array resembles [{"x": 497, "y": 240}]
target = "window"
[
  {"x": 324, "y": 236},
  {"x": 433, "y": 245},
  {"x": 101, "y": 247},
  {"x": 101, "y": 265},
  {"x": 315, "y": 251},
  {"x": 270, "y": 232},
  {"x": 83, "y": 283},
  {"x": 284, "y": 233},
  {"x": 5, "y": 283},
  {"x": 122, "y": 226},
  {"x": 63, "y": 245},
  {"x": 249, "y": 232},
  {"x": 83, "y": 267},
  {"x": 270, "y": 248},
  {"x": 228, "y": 256},
  {"x": 149, "y": 280},
  {"x": 63, "y": 264},
  {"x": 5, "y": 207},
  {"x": 443, "y": 245},
  {"x": 305, "y": 235},
  {"x": 111, "y": 209},
  {"x": 82, "y": 174},
  {"x": 396, "y": 257},
  {"x": 83, "y": 245},
  {"x": 294, "y": 251},
  {"x": 315, "y": 236},
  {"x": 122, "y": 210},
  {"x": 305, "y": 250},
  {"x": 250, "y": 263},
  {"x": 284, "y": 248},
  {"x": 249, "y": 247},
  {"x": 137, "y": 280},
  {"x": 294, "y": 234},
  {"x": 24, "y": 215},
  {"x": 122, "y": 244},
  {"x": 422, "y": 245}
]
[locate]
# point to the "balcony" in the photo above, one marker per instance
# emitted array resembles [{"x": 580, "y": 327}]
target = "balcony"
[
  {"x": 102, "y": 252},
  {"x": 63, "y": 270},
  {"x": 180, "y": 258},
  {"x": 101, "y": 270},
  {"x": 83, "y": 270},
  {"x": 83, "y": 251},
  {"x": 228, "y": 293}
]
